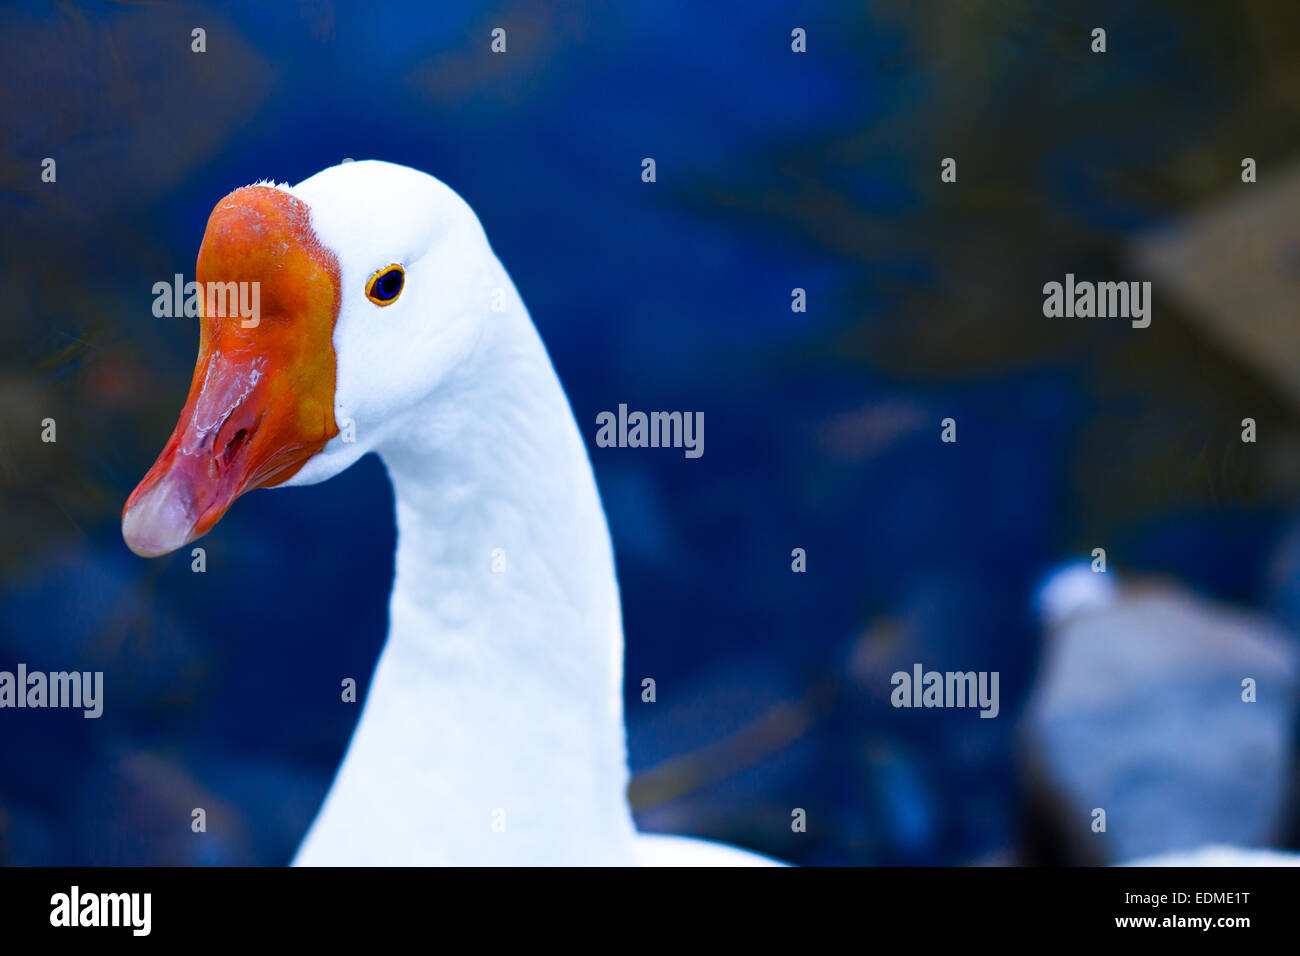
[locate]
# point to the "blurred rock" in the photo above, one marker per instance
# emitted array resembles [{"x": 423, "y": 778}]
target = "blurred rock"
[
  {"x": 1234, "y": 262},
  {"x": 1138, "y": 710}
]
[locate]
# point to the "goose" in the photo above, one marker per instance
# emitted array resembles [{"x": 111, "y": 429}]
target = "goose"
[{"x": 492, "y": 731}]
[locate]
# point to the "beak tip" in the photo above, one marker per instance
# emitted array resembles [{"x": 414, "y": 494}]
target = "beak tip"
[{"x": 157, "y": 523}]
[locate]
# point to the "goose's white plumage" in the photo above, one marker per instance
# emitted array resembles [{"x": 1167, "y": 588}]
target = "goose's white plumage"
[{"x": 492, "y": 731}]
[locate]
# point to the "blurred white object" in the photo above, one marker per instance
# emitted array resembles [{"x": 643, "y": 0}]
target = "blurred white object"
[
  {"x": 1074, "y": 588},
  {"x": 1139, "y": 711},
  {"x": 1222, "y": 856}
]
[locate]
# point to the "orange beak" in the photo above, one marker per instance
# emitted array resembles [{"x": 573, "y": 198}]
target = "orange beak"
[{"x": 262, "y": 398}]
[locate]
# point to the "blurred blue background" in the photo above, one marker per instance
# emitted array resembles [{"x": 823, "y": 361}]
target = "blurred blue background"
[{"x": 775, "y": 170}]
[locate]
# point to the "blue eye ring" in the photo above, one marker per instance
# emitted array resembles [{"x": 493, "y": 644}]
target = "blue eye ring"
[{"x": 386, "y": 285}]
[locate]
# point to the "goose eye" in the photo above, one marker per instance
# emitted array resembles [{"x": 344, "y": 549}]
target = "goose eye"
[{"x": 386, "y": 285}]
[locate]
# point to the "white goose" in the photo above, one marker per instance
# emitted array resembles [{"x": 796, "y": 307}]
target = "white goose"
[{"x": 493, "y": 728}]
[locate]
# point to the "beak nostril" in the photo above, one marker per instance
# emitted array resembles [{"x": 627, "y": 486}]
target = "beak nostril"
[{"x": 232, "y": 446}]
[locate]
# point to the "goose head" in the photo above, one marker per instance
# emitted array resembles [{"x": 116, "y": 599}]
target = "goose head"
[{"x": 373, "y": 283}]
